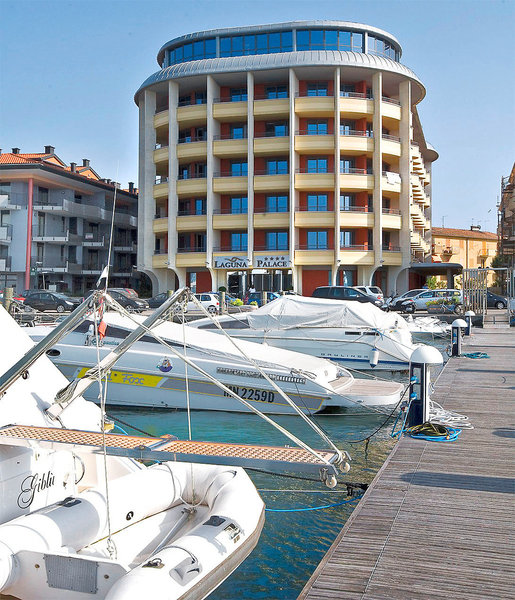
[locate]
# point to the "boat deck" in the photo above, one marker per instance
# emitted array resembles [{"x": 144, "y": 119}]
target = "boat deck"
[{"x": 438, "y": 520}]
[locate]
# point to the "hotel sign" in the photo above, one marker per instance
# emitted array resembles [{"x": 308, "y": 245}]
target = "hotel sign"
[
  {"x": 231, "y": 262},
  {"x": 273, "y": 261}
]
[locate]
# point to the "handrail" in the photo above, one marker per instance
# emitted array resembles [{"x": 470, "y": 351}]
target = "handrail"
[
  {"x": 327, "y": 171},
  {"x": 227, "y": 99},
  {"x": 357, "y": 132},
  {"x": 184, "y": 176},
  {"x": 228, "y": 136},
  {"x": 267, "y": 134},
  {"x": 391, "y": 100},
  {"x": 355, "y": 171},
  {"x": 229, "y": 174},
  {"x": 360, "y": 95},
  {"x": 357, "y": 247},
  {"x": 265, "y": 172}
]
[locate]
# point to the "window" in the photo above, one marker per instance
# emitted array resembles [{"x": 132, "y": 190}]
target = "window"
[
  {"x": 317, "y": 165},
  {"x": 200, "y": 206},
  {"x": 347, "y": 201},
  {"x": 239, "y": 131},
  {"x": 317, "y": 202},
  {"x": 183, "y": 242},
  {"x": 185, "y": 136},
  {"x": 277, "y": 204},
  {"x": 317, "y": 88},
  {"x": 43, "y": 195},
  {"x": 239, "y": 241},
  {"x": 318, "y": 127},
  {"x": 347, "y": 165},
  {"x": 276, "y": 129},
  {"x": 276, "y": 240},
  {"x": 238, "y": 95},
  {"x": 276, "y": 91},
  {"x": 239, "y": 205},
  {"x": 184, "y": 172},
  {"x": 200, "y": 169},
  {"x": 200, "y": 97},
  {"x": 200, "y": 134},
  {"x": 239, "y": 169},
  {"x": 347, "y": 89},
  {"x": 195, "y": 51},
  {"x": 347, "y": 238},
  {"x": 347, "y": 127},
  {"x": 277, "y": 167},
  {"x": 329, "y": 39},
  {"x": 317, "y": 240}
]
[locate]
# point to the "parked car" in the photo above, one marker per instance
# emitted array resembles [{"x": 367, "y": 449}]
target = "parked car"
[
  {"x": 495, "y": 301},
  {"x": 45, "y": 300},
  {"x": 157, "y": 300},
  {"x": 208, "y": 300},
  {"x": 127, "y": 291},
  {"x": 342, "y": 292},
  {"x": 129, "y": 302},
  {"x": 17, "y": 297},
  {"x": 258, "y": 297},
  {"x": 371, "y": 290},
  {"x": 448, "y": 297},
  {"x": 400, "y": 302}
]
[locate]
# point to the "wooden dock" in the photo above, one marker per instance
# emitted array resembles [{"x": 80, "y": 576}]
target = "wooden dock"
[{"x": 438, "y": 520}]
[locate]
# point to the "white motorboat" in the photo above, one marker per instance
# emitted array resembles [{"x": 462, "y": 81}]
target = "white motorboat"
[
  {"x": 77, "y": 522},
  {"x": 150, "y": 375},
  {"x": 427, "y": 327},
  {"x": 354, "y": 334}
]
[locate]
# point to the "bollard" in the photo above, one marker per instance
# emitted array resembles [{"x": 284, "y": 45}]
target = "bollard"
[
  {"x": 420, "y": 379},
  {"x": 8, "y": 298},
  {"x": 264, "y": 298},
  {"x": 457, "y": 328},
  {"x": 468, "y": 317},
  {"x": 222, "y": 303}
]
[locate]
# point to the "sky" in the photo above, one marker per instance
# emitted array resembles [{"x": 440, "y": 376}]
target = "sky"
[{"x": 69, "y": 70}]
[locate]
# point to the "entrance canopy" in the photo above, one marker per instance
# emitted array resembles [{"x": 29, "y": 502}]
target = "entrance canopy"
[{"x": 447, "y": 269}]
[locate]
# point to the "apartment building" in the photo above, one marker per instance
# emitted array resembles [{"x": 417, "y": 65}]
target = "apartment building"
[
  {"x": 283, "y": 156},
  {"x": 506, "y": 224},
  {"x": 55, "y": 222}
]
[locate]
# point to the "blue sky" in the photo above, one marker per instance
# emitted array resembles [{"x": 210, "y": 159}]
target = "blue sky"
[{"x": 69, "y": 70}]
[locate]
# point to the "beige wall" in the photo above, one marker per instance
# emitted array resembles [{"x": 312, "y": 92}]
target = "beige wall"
[{"x": 471, "y": 253}]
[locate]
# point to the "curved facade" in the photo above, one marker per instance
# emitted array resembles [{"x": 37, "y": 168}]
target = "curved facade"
[{"x": 282, "y": 156}]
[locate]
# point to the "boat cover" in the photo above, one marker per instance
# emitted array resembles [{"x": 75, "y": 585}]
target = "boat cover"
[{"x": 291, "y": 312}]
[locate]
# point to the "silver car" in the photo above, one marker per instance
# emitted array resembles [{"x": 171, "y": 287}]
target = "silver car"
[{"x": 446, "y": 297}]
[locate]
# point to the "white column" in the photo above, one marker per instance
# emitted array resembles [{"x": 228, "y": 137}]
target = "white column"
[
  {"x": 337, "y": 215},
  {"x": 173, "y": 170},
  {"x": 293, "y": 125},
  {"x": 405, "y": 170},
  {"x": 250, "y": 165},
  {"x": 377, "y": 167},
  {"x": 147, "y": 175},
  {"x": 213, "y": 166}
]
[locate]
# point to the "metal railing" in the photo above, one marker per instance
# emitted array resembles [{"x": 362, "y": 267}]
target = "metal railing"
[
  {"x": 229, "y": 211},
  {"x": 230, "y": 248},
  {"x": 390, "y": 211},
  {"x": 228, "y": 99},
  {"x": 357, "y": 247},
  {"x": 327, "y": 171},
  {"x": 192, "y": 139},
  {"x": 229, "y": 174},
  {"x": 261, "y": 210},
  {"x": 391, "y": 248},
  {"x": 190, "y": 250},
  {"x": 192, "y": 102},
  {"x": 391, "y": 100},
  {"x": 160, "y": 251},
  {"x": 360, "y": 95},
  {"x": 184, "y": 176},
  {"x": 191, "y": 213},
  {"x": 269, "y": 134},
  {"x": 307, "y": 94},
  {"x": 355, "y": 171},
  {"x": 308, "y": 132},
  {"x": 313, "y": 247},
  {"x": 266, "y": 97},
  {"x": 355, "y": 208},
  {"x": 229, "y": 136},
  {"x": 267, "y": 172},
  {"x": 357, "y": 133}
]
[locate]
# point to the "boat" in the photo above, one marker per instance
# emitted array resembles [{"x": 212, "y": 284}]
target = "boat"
[
  {"x": 152, "y": 376},
  {"x": 427, "y": 327},
  {"x": 81, "y": 518},
  {"x": 354, "y": 334}
]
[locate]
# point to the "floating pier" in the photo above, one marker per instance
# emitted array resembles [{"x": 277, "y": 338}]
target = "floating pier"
[{"x": 438, "y": 520}]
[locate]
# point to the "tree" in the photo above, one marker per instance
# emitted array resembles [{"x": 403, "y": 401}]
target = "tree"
[{"x": 433, "y": 283}]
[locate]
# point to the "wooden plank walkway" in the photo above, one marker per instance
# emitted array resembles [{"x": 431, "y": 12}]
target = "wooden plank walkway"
[{"x": 438, "y": 520}]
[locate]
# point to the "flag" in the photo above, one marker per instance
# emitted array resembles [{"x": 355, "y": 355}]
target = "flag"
[{"x": 104, "y": 275}]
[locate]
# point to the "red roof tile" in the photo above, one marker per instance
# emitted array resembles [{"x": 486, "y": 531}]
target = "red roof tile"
[{"x": 463, "y": 233}]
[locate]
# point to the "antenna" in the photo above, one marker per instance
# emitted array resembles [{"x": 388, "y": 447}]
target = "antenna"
[{"x": 443, "y": 220}]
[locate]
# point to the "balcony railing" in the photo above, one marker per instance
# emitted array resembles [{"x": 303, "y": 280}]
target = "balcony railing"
[
  {"x": 311, "y": 94},
  {"x": 192, "y": 101},
  {"x": 272, "y": 172},
  {"x": 355, "y": 171},
  {"x": 270, "y": 134},
  {"x": 313, "y": 247},
  {"x": 229, "y": 136},
  {"x": 393, "y": 138},
  {"x": 327, "y": 171},
  {"x": 192, "y": 138},
  {"x": 266, "y": 210},
  {"x": 160, "y": 251},
  {"x": 391, "y": 100},
  {"x": 5, "y": 263},
  {"x": 267, "y": 97},
  {"x": 184, "y": 176},
  {"x": 391, "y": 248},
  {"x": 357, "y": 247},
  {"x": 230, "y": 99},
  {"x": 228, "y": 211},
  {"x": 355, "y": 208},
  {"x": 229, "y": 174},
  {"x": 12, "y": 200},
  {"x": 6, "y": 232},
  {"x": 271, "y": 248},
  {"x": 231, "y": 248},
  {"x": 367, "y": 96},
  {"x": 190, "y": 213},
  {"x": 357, "y": 133},
  {"x": 161, "y": 179},
  {"x": 390, "y": 211},
  {"x": 192, "y": 249},
  {"x": 308, "y": 132}
]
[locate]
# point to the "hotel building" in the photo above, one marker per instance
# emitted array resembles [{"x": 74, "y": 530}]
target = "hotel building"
[
  {"x": 55, "y": 223},
  {"x": 285, "y": 156}
]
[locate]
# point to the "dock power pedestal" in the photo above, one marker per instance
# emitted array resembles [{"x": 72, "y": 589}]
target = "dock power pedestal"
[
  {"x": 457, "y": 328},
  {"x": 420, "y": 379}
]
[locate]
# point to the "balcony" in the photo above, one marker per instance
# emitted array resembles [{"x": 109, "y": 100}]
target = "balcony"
[
  {"x": 160, "y": 259},
  {"x": 271, "y": 107},
  {"x": 59, "y": 266},
  {"x": 54, "y": 237},
  {"x": 357, "y": 254},
  {"x": 228, "y": 183},
  {"x": 268, "y": 145},
  {"x": 193, "y": 150},
  {"x": 228, "y": 220},
  {"x": 160, "y": 225},
  {"x": 391, "y": 145},
  {"x": 195, "y": 114},
  {"x": 231, "y": 248},
  {"x": 161, "y": 154},
  {"x": 391, "y": 218},
  {"x": 392, "y": 255},
  {"x": 227, "y": 147},
  {"x": 191, "y": 223},
  {"x": 271, "y": 220},
  {"x": 355, "y": 105},
  {"x": 315, "y": 219},
  {"x": 357, "y": 216},
  {"x": 191, "y": 257},
  {"x": 93, "y": 240},
  {"x": 391, "y": 108},
  {"x": 391, "y": 182},
  {"x": 124, "y": 245},
  {"x": 314, "y": 106},
  {"x": 92, "y": 268},
  {"x": 353, "y": 142},
  {"x": 485, "y": 253},
  {"x": 417, "y": 215},
  {"x": 5, "y": 264},
  {"x": 225, "y": 110},
  {"x": 265, "y": 181},
  {"x": 306, "y": 256},
  {"x": 161, "y": 119},
  {"x": 12, "y": 201},
  {"x": 309, "y": 181},
  {"x": 6, "y": 233},
  {"x": 192, "y": 184},
  {"x": 307, "y": 143}
]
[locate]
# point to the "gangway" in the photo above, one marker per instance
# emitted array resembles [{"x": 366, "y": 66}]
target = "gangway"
[{"x": 168, "y": 448}]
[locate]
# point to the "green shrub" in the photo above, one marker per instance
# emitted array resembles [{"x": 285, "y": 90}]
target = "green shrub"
[
  {"x": 253, "y": 303},
  {"x": 237, "y": 302}
]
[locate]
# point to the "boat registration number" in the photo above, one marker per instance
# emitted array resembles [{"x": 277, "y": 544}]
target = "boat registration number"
[{"x": 252, "y": 394}]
